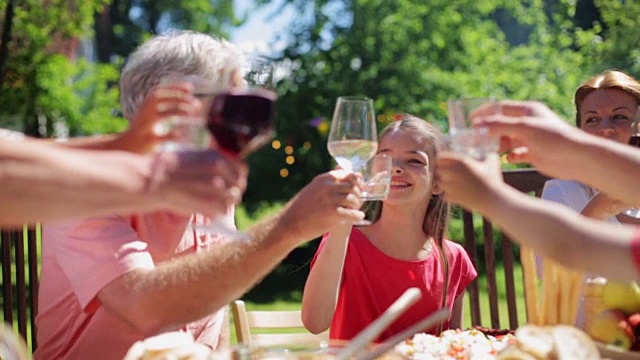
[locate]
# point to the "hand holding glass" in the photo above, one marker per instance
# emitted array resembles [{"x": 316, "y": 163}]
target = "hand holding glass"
[
  {"x": 464, "y": 137},
  {"x": 241, "y": 120},
  {"x": 353, "y": 137},
  {"x": 187, "y": 132}
]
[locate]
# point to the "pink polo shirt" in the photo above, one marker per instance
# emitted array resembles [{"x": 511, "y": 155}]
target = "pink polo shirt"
[{"x": 81, "y": 257}]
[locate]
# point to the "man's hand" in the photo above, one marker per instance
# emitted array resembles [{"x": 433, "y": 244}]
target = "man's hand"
[
  {"x": 529, "y": 132},
  {"x": 330, "y": 199},
  {"x": 201, "y": 181},
  {"x": 469, "y": 182},
  {"x": 164, "y": 102}
]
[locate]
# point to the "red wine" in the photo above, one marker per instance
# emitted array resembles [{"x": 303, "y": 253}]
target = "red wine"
[
  {"x": 635, "y": 140},
  {"x": 241, "y": 120}
]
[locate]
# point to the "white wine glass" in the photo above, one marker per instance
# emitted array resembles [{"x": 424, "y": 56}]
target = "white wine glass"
[
  {"x": 12, "y": 346},
  {"x": 353, "y": 138}
]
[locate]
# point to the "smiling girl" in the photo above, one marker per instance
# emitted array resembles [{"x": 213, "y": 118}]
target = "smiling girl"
[{"x": 358, "y": 272}]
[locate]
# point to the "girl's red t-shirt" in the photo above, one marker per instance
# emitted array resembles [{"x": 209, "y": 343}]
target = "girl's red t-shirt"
[{"x": 372, "y": 281}]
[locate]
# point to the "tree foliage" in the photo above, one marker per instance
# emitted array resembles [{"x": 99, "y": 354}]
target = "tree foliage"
[
  {"x": 43, "y": 86},
  {"x": 409, "y": 56},
  {"x": 47, "y": 91},
  {"x": 413, "y": 56},
  {"x": 127, "y": 23}
]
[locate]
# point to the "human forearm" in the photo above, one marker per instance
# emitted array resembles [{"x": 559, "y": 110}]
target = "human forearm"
[
  {"x": 43, "y": 182},
  {"x": 211, "y": 280},
  {"x": 601, "y": 207},
  {"x": 557, "y": 232},
  {"x": 583, "y": 159},
  {"x": 130, "y": 141},
  {"x": 322, "y": 288},
  {"x": 149, "y": 299}
]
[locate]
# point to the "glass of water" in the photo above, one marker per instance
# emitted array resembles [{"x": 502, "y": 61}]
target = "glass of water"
[
  {"x": 376, "y": 177},
  {"x": 187, "y": 133},
  {"x": 464, "y": 137}
]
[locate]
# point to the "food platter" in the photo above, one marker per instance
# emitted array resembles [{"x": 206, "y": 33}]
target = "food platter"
[{"x": 616, "y": 353}]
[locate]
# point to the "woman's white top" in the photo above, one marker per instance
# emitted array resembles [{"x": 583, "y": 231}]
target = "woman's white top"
[{"x": 572, "y": 194}]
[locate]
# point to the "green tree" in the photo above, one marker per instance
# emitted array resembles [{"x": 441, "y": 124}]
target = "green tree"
[
  {"x": 43, "y": 86},
  {"x": 127, "y": 23},
  {"x": 413, "y": 56},
  {"x": 47, "y": 91},
  {"x": 613, "y": 37}
]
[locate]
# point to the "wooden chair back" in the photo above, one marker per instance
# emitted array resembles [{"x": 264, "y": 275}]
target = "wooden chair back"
[
  {"x": 525, "y": 180},
  {"x": 19, "y": 251},
  {"x": 289, "y": 321}
]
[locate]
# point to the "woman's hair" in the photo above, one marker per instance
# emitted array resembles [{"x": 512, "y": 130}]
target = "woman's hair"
[
  {"x": 180, "y": 53},
  {"x": 610, "y": 79},
  {"x": 436, "y": 219}
]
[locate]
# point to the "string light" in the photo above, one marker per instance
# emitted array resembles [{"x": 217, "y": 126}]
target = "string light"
[
  {"x": 276, "y": 144},
  {"x": 323, "y": 128},
  {"x": 290, "y": 160},
  {"x": 288, "y": 149},
  {"x": 306, "y": 145},
  {"x": 284, "y": 173}
]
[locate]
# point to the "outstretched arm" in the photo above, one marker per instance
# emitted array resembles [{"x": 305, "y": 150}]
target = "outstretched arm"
[
  {"x": 550, "y": 229},
  {"x": 43, "y": 182},
  {"x": 532, "y": 133},
  {"x": 147, "y": 299},
  {"x": 322, "y": 289}
]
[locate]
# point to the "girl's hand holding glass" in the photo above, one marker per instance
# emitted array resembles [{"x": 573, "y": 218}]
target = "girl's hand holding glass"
[{"x": 353, "y": 137}]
